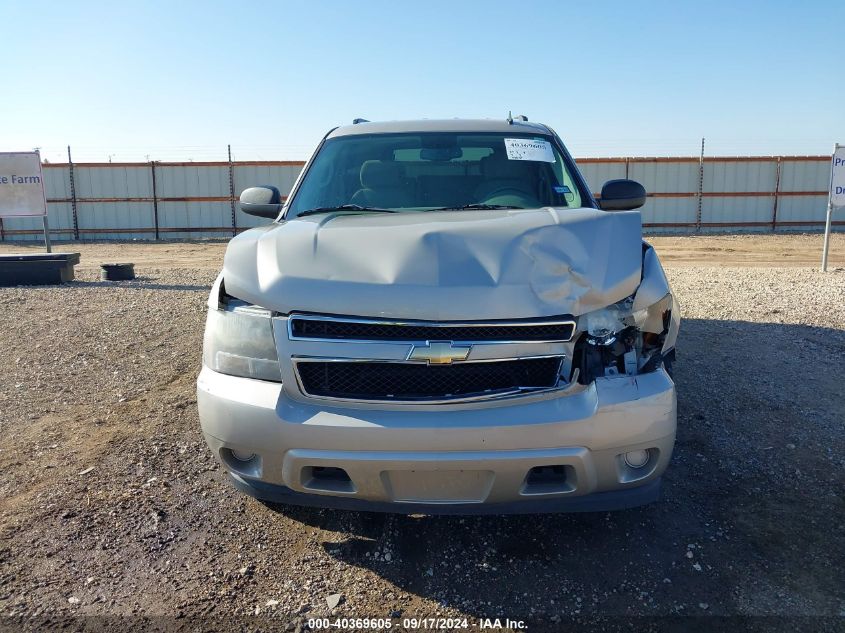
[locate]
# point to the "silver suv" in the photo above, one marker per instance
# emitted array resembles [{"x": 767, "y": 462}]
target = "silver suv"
[{"x": 441, "y": 318}]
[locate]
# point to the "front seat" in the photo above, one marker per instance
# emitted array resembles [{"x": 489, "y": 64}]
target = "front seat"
[{"x": 383, "y": 184}]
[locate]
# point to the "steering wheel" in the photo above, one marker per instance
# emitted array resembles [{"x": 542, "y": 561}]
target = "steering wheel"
[
  {"x": 503, "y": 191},
  {"x": 514, "y": 195}
]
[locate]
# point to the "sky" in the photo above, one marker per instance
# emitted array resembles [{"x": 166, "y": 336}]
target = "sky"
[{"x": 182, "y": 79}]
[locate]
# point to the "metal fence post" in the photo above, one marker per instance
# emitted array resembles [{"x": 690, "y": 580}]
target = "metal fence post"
[
  {"x": 700, "y": 186},
  {"x": 73, "y": 195},
  {"x": 826, "y": 243},
  {"x": 46, "y": 224},
  {"x": 232, "y": 192},
  {"x": 829, "y": 216},
  {"x": 155, "y": 197},
  {"x": 777, "y": 191}
]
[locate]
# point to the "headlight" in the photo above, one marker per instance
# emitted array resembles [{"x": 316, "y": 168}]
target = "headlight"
[
  {"x": 239, "y": 340},
  {"x": 618, "y": 340}
]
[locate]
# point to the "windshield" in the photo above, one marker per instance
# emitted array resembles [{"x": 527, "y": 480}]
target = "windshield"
[{"x": 430, "y": 171}]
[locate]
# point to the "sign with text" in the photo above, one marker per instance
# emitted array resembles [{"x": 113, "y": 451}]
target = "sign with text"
[
  {"x": 21, "y": 185},
  {"x": 837, "y": 177}
]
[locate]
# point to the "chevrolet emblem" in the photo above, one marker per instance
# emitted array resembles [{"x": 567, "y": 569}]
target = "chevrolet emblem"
[{"x": 439, "y": 352}]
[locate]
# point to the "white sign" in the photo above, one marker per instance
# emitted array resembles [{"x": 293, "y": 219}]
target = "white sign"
[
  {"x": 21, "y": 185},
  {"x": 529, "y": 149},
  {"x": 837, "y": 178}
]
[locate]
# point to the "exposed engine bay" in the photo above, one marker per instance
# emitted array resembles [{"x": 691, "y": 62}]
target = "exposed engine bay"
[{"x": 633, "y": 336}]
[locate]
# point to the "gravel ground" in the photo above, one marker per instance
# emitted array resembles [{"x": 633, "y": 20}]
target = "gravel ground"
[{"x": 112, "y": 505}]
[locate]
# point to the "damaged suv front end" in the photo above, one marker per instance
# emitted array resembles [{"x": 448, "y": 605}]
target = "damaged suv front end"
[{"x": 490, "y": 343}]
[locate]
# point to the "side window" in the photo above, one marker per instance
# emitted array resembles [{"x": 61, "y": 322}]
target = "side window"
[{"x": 324, "y": 186}]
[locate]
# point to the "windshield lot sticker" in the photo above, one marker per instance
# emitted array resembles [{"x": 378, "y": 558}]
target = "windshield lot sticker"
[
  {"x": 529, "y": 149},
  {"x": 562, "y": 189}
]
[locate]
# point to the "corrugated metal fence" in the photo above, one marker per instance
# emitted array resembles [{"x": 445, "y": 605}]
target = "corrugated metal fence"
[
  {"x": 724, "y": 193},
  {"x": 199, "y": 199}
]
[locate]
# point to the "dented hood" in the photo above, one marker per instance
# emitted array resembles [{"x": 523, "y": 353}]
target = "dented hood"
[{"x": 441, "y": 266}]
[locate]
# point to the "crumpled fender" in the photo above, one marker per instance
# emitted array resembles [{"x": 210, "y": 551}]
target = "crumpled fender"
[{"x": 654, "y": 287}]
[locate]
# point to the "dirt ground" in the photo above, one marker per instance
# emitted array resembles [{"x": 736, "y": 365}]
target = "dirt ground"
[
  {"x": 113, "y": 513},
  {"x": 704, "y": 250}
]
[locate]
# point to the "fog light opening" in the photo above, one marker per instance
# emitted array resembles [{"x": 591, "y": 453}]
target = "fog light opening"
[
  {"x": 242, "y": 463},
  {"x": 637, "y": 459},
  {"x": 242, "y": 456}
]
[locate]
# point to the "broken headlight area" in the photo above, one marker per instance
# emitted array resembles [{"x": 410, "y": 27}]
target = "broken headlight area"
[
  {"x": 239, "y": 339},
  {"x": 620, "y": 341}
]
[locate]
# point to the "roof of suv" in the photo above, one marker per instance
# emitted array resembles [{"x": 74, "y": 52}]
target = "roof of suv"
[{"x": 443, "y": 125}]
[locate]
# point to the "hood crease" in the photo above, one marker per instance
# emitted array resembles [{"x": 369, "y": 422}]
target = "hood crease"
[{"x": 445, "y": 266}]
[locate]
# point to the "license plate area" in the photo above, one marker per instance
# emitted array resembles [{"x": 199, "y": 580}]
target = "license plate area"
[{"x": 438, "y": 486}]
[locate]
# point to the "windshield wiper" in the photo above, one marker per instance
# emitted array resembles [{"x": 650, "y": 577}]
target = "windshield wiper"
[
  {"x": 344, "y": 207},
  {"x": 477, "y": 206}
]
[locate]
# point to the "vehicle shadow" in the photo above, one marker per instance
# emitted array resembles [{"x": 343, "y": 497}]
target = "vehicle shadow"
[{"x": 760, "y": 423}]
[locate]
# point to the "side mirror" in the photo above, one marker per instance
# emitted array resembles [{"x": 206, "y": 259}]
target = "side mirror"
[
  {"x": 622, "y": 195},
  {"x": 264, "y": 201}
]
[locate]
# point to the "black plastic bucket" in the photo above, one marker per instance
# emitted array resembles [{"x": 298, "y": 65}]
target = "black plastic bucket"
[{"x": 117, "y": 272}]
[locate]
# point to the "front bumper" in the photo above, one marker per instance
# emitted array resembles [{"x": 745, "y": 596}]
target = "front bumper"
[{"x": 460, "y": 458}]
